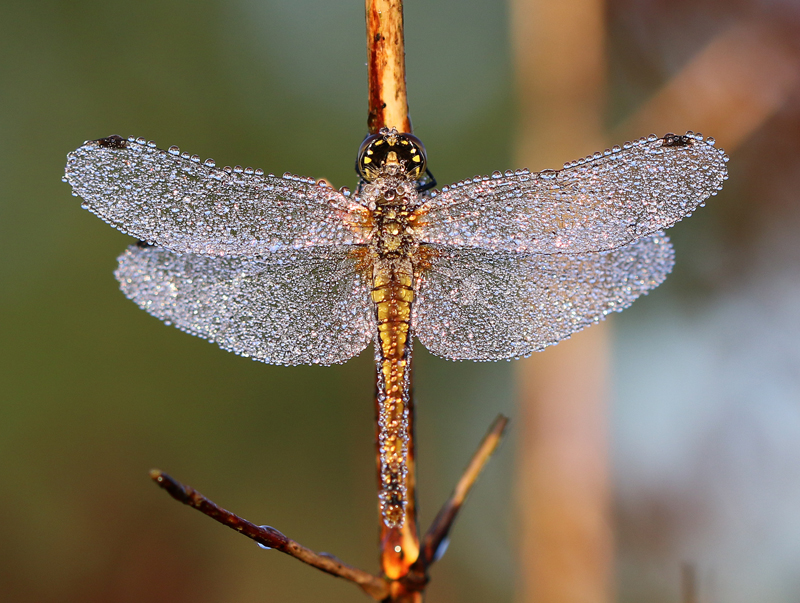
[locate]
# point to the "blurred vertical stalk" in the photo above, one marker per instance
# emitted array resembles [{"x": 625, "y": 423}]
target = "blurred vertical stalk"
[
  {"x": 388, "y": 107},
  {"x": 563, "y": 491}
]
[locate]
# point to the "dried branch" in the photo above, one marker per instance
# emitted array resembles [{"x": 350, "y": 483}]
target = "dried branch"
[
  {"x": 440, "y": 527},
  {"x": 388, "y": 107},
  {"x": 375, "y": 587},
  {"x": 386, "y": 66}
]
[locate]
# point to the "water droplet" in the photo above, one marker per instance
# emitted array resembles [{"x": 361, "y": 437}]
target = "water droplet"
[
  {"x": 441, "y": 549},
  {"x": 209, "y": 162},
  {"x": 249, "y": 171},
  {"x": 263, "y": 546},
  {"x": 195, "y": 158},
  {"x": 141, "y": 140},
  {"x": 173, "y": 150},
  {"x": 259, "y": 172},
  {"x": 495, "y": 174},
  {"x": 509, "y": 173},
  {"x": 151, "y": 144},
  {"x": 238, "y": 169},
  {"x": 710, "y": 141},
  {"x": 652, "y": 138},
  {"x": 185, "y": 155}
]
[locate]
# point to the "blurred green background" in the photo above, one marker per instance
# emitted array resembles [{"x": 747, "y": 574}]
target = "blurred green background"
[{"x": 94, "y": 392}]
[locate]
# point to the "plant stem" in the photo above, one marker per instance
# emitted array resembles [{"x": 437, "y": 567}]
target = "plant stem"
[
  {"x": 386, "y": 66},
  {"x": 440, "y": 528},
  {"x": 388, "y": 107},
  {"x": 271, "y": 538}
]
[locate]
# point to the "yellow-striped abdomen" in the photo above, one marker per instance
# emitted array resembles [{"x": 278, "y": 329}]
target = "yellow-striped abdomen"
[{"x": 393, "y": 294}]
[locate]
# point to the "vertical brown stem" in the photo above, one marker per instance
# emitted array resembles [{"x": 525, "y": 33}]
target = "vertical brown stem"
[
  {"x": 688, "y": 583},
  {"x": 386, "y": 66},
  {"x": 566, "y": 544},
  {"x": 388, "y": 107}
]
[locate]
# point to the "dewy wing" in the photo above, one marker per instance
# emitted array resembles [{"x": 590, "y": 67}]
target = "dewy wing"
[{"x": 286, "y": 270}]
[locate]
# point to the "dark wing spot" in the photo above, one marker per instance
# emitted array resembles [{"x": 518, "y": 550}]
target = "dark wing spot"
[
  {"x": 673, "y": 140},
  {"x": 112, "y": 142}
]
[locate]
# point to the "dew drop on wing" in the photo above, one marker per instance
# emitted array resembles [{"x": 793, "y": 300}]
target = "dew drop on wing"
[
  {"x": 134, "y": 187},
  {"x": 598, "y": 203}
]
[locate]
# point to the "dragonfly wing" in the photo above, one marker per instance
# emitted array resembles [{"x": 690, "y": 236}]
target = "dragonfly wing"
[
  {"x": 596, "y": 204},
  {"x": 298, "y": 307},
  {"x": 474, "y": 304},
  {"x": 171, "y": 200}
]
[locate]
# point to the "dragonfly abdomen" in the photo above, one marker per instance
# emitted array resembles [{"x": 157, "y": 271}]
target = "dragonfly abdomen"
[{"x": 393, "y": 294}]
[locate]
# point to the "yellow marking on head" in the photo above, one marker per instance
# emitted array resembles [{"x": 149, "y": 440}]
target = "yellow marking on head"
[{"x": 367, "y": 160}]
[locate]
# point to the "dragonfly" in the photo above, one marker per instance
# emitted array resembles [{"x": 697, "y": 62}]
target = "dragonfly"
[{"x": 289, "y": 270}]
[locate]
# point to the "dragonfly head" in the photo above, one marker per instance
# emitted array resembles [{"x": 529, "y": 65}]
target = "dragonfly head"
[{"x": 392, "y": 153}]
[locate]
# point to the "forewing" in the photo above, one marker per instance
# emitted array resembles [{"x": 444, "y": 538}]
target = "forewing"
[
  {"x": 596, "y": 204},
  {"x": 171, "y": 200},
  {"x": 299, "y": 307},
  {"x": 474, "y": 304}
]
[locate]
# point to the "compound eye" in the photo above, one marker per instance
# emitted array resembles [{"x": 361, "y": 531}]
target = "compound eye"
[
  {"x": 414, "y": 156},
  {"x": 390, "y": 150},
  {"x": 368, "y": 164}
]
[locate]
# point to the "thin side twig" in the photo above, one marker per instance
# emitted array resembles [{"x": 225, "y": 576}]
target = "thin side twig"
[
  {"x": 375, "y": 587},
  {"x": 440, "y": 527}
]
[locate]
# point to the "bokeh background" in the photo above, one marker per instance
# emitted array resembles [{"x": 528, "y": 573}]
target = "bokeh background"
[{"x": 703, "y": 416}]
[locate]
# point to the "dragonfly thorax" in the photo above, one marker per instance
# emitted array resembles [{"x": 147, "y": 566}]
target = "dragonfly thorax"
[{"x": 392, "y": 202}]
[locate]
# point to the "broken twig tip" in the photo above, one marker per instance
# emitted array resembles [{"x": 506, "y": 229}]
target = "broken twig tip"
[
  {"x": 435, "y": 541},
  {"x": 173, "y": 488}
]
